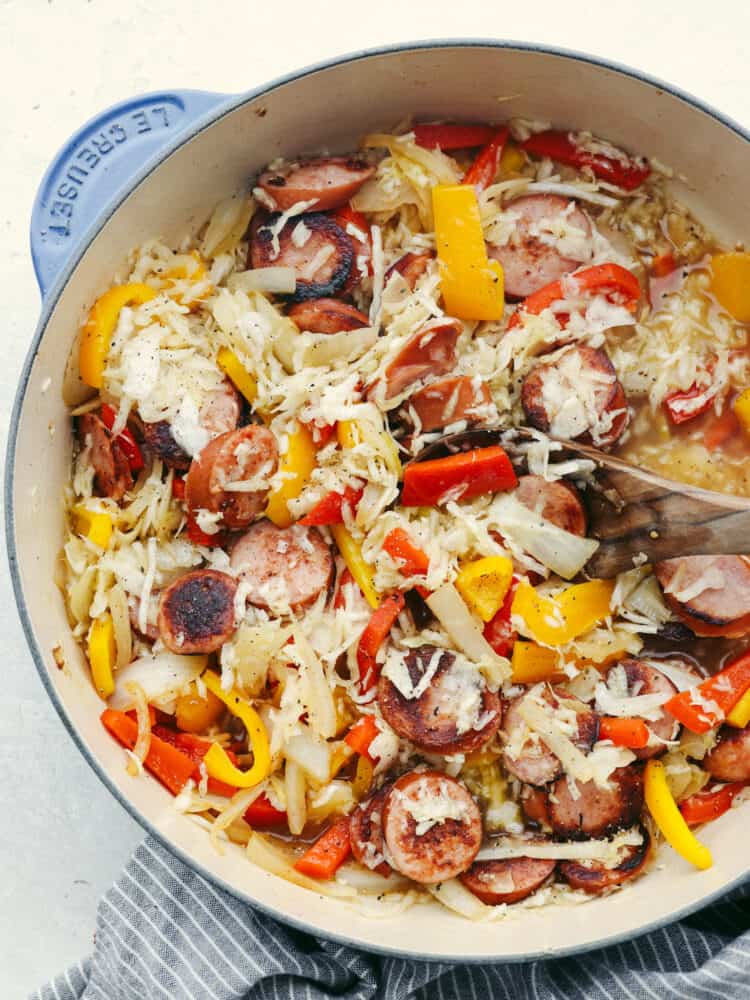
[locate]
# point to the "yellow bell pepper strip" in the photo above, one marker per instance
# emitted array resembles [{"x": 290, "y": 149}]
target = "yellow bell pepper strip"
[
  {"x": 730, "y": 283},
  {"x": 236, "y": 372},
  {"x": 194, "y": 713},
  {"x": 708, "y": 704},
  {"x": 96, "y": 525},
  {"x": 472, "y": 285},
  {"x": 741, "y": 409},
  {"x": 669, "y": 819},
  {"x": 296, "y": 468},
  {"x": 555, "y": 621},
  {"x": 484, "y": 583},
  {"x": 196, "y": 275},
  {"x": 102, "y": 655},
  {"x": 100, "y": 325},
  {"x": 512, "y": 159},
  {"x": 217, "y": 762},
  {"x": 531, "y": 663},
  {"x": 740, "y": 714},
  {"x": 362, "y": 781},
  {"x": 350, "y": 433},
  {"x": 351, "y": 553}
]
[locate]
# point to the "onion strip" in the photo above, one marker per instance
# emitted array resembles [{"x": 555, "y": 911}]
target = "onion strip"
[{"x": 143, "y": 742}]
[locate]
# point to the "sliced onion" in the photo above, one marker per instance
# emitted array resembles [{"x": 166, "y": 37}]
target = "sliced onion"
[
  {"x": 682, "y": 678},
  {"x": 560, "y": 551},
  {"x": 368, "y": 882},
  {"x": 277, "y": 280},
  {"x": 118, "y": 606},
  {"x": 235, "y": 809},
  {"x": 320, "y": 705},
  {"x": 641, "y": 706},
  {"x": 449, "y": 608},
  {"x": 143, "y": 741},
  {"x": 296, "y": 803},
  {"x": 262, "y": 852},
  {"x": 227, "y": 225},
  {"x": 311, "y": 754},
  {"x": 303, "y": 350},
  {"x": 161, "y": 677},
  {"x": 581, "y": 850},
  {"x": 454, "y": 895}
]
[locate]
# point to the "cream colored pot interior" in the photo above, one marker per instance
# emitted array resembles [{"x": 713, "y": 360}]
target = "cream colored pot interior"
[{"x": 329, "y": 109}]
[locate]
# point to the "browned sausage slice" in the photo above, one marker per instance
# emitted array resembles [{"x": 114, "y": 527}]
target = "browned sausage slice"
[
  {"x": 596, "y": 812},
  {"x": 577, "y": 397},
  {"x": 366, "y": 833},
  {"x": 593, "y": 877},
  {"x": 429, "y": 352},
  {"x": 711, "y": 594},
  {"x": 322, "y": 263},
  {"x": 532, "y": 257},
  {"x": 411, "y": 267},
  {"x": 327, "y": 316},
  {"x": 533, "y": 763},
  {"x": 507, "y": 881},
  {"x": 236, "y": 458},
  {"x": 196, "y": 612},
  {"x": 534, "y": 806},
  {"x": 455, "y": 697},
  {"x": 644, "y": 679},
  {"x": 112, "y": 475},
  {"x": 448, "y": 400},
  {"x": 282, "y": 567},
  {"x": 331, "y": 182},
  {"x": 432, "y": 827},
  {"x": 220, "y": 413},
  {"x": 730, "y": 758},
  {"x": 558, "y": 502}
]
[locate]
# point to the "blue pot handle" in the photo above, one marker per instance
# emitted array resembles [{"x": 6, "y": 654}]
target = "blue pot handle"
[{"x": 98, "y": 162}]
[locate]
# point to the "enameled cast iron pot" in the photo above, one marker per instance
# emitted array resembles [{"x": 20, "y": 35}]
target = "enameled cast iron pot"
[{"x": 157, "y": 165}]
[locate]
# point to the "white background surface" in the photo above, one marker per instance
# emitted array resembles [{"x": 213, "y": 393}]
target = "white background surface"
[{"x": 63, "y": 838}]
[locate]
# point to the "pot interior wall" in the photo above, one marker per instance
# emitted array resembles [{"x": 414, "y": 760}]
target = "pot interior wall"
[{"x": 328, "y": 110}]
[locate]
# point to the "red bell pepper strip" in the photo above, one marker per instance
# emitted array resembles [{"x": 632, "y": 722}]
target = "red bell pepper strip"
[
  {"x": 199, "y": 537},
  {"x": 375, "y": 633},
  {"x": 328, "y": 853},
  {"x": 171, "y": 766},
  {"x": 330, "y": 510},
  {"x": 663, "y": 264},
  {"x": 624, "y": 171},
  {"x": 344, "y": 581},
  {"x": 196, "y": 749},
  {"x": 705, "y": 706},
  {"x": 452, "y": 136},
  {"x": 484, "y": 169},
  {"x": 178, "y": 487},
  {"x": 125, "y": 439},
  {"x": 361, "y": 735},
  {"x": 677, "y": 404},
  {"x": 412, "y": 560},
  {"x": 262, "y": 814},
  {"x": 618, "y": 284},
  {"x": 459, "y": 477},
  {"x": 630, "y": 733},
  {"x": 321, "y": 433},
  {"x": 499, "y": 631},
  {"x": 710, "y": 803}
]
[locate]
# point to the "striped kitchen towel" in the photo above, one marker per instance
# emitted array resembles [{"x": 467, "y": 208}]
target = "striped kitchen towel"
[{"x": 164, "y": 933}]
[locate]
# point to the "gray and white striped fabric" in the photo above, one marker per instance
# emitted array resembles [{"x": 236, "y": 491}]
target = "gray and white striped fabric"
[{"x": 164, "y": 933}]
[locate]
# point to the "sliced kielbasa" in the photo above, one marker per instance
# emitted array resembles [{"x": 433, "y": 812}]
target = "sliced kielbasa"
[
  {"x": 322, "y": 262},
  {"x": 596, "y": 812},
  {"x": 449, "y": 400},
  {"x": 455, "y": 713},
  {"x": 507, "y": 881},
  {"x": 411, "y": 267},
  {"x": 644, "y": 679},
  {"x": 112, "y": 475},
  {"x": 327, "y": 316},
  {"x": 432, "y": 827},
  {"x": 233, "y": 459},
  {"x": 532, "y": 762},
  {"x": 534, "y": 806},
  {"x": 711, "y": 594},
  {"x": 534, "y": 255},
  {"x": 196, "y": 612},
  {"x": 431, "y": 351},
  {"x": 330, "y": 182},
  {"x": 558, "y": 502},
  {"x": 366, "y": 833},
  {"x": 576, "y": 397},
  {"x": 220, "y": 412},
  {"x": 283, "y": 568},
  {"x": 594, "y": 878},
  {"x": 730, "y": 758}
]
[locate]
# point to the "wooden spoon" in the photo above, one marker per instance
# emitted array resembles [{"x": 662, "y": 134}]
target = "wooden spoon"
[{"x": 632, "y": 512}]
